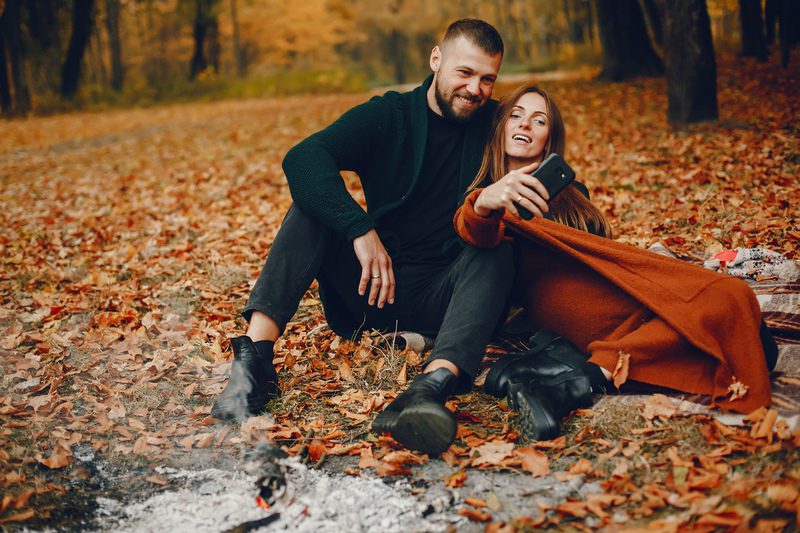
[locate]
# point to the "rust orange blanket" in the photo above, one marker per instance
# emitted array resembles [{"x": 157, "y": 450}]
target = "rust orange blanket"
[{"x": 682, "y": 326}]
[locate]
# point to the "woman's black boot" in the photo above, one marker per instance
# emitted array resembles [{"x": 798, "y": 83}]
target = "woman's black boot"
[
  {"x": 550, "y": 356},
  {"x": 542, "y": 404},
  {"x": 417, "y": 418},
  {"x": 252, "y": 384}
]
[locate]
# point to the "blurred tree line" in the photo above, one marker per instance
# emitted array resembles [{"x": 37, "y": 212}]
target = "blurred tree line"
[{"x": 60, "y": 53}]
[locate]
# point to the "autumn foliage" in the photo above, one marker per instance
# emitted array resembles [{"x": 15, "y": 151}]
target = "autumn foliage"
[{"x": 130, "y": 239}]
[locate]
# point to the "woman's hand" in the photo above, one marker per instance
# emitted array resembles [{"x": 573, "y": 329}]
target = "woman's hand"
[{"x": 517, "y": 187}]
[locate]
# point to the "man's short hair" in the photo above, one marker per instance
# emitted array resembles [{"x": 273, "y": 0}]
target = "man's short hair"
[{"x": 478, "y": 32}]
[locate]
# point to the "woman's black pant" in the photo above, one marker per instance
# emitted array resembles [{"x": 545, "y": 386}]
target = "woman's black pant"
[{"x": 461, "y": 305}]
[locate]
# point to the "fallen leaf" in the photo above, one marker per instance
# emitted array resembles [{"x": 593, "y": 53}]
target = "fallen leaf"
[
  {"x": 401, "y": 376},
  {"x": 19, "y": 517},
  {"x": 59, "y": 458},
  {"x": 493, "y": 453},
  {"x": 658, "y": 405},
  {"x": 477, "y": 503},
  {"x": 620, "y": 374},
  {"x": 474, "y": 515},
  {"x": 782, "y": 493},
  {"x": 533, "y": 461},
  {"x": 456, "y": 479},
  {"x": 581, "y": 466}
]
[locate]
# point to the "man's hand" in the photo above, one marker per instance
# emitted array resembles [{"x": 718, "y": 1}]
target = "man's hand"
[
  {"x": 376, "y": 268},
  {"x": 516, "y": 187}
]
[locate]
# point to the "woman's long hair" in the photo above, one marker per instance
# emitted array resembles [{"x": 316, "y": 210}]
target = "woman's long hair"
[{"x": 570, "y": 207}]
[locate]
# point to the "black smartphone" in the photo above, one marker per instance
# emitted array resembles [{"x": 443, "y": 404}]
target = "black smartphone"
[{"x": 555, "y": 174}]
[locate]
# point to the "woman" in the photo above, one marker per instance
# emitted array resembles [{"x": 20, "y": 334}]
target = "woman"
[{"x": 638, "y": 315}]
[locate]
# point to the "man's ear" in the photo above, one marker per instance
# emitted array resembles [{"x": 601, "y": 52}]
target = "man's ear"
[{"x": 436, "y": 58}]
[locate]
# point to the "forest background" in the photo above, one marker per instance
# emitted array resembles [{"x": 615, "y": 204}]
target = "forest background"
[{"x": 57, "y": 55}]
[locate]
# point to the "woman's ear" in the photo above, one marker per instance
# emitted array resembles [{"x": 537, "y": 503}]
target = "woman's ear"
[{"x": 436, "y": 58}]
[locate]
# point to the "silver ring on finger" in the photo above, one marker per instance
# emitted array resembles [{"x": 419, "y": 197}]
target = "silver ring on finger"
[
  {"x": 376, "y": 276},
  {"x": 519, "y": 199}
]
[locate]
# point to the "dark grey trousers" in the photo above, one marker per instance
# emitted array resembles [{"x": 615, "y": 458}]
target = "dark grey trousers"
[{"x": 461, "y": 305}]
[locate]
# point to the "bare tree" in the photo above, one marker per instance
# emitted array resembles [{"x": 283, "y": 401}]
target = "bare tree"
[
  {"x": 114, "y": 43},
  {"x": 10, "y": 29},
  {"x": 206, "y": 40},
  {"x": 690, "y": 64},
  {"x": 238, "y": 51},
  {"x": 627, "y": 51},
  {"x": 82, "y": 21},
  {"x": 752, "y": 23}
]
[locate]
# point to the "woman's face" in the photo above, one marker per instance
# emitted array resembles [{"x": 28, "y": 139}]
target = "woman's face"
[{"x": 527, "y": 130}]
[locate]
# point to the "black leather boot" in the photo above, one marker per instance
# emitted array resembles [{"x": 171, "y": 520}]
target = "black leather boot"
[
  {"x": 252, "y": 384},
  {"x": 550, "y": 356},
  {"x": 770, "y": 347},
  {"x": 543, "y": 404},
  {"x": 417, "y": 418}
]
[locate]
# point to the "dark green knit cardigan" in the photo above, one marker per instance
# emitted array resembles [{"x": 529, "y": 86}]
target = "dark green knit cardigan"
[{"x": 383, "y": 141}]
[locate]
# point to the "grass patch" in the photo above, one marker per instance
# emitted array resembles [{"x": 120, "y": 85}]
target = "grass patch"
[{"x": 206, "y": 89}]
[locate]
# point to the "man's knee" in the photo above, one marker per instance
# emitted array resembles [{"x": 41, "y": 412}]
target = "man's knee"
[
  {"x": 298, "y": 221},
  {"x": 495, "y": 262}
]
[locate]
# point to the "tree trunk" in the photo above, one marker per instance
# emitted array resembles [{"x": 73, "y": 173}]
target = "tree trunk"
[
  {"x": 206, "y": 42},
  {"x": 114, "y": 43},
  {"x": 10, "y": 27},
  {"x": 771, "y": 14},
  {"x": 653, "y": 18},
  {"x": 81, "y": 31},
  {"x": 690, "y": 64},
  {"x": 199, "y": 63},
  {"x": 212, "y": 44},
  {"x": 238, "y": 52},
  {"x": 5, "y": 92},
  {"x": 788, "y": 23},
  {"x": 627, "y": 51},
  {"x": 752, "y": 24},
  {"x": 43, "y": 24}
]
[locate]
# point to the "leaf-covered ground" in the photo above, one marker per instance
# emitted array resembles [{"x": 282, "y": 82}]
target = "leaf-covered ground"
[{"x": 129, "y": 240}]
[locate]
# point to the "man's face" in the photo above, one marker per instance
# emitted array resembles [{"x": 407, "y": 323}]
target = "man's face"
[{"x": 464, "y": 76}]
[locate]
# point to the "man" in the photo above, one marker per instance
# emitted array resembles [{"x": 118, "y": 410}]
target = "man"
[{"x": 400, "y": 264}]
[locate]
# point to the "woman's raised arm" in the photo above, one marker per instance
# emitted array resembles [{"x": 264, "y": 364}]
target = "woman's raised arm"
[{"x": 483, "y": 232}]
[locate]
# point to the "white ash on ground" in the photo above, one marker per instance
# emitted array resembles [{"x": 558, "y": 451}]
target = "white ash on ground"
[{"x": 216, "y": 500}]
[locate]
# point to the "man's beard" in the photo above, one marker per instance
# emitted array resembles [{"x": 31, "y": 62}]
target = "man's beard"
[{"x": 446, "y": 107}]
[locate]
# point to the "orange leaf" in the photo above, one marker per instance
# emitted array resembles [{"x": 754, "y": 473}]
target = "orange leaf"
[
  {"x": 581, "y": 466},
  {"x": 158, "y": 480},
  {"x": 533, "y": 461},
  {"x": 19, "y": 517},
  {"x": 316, "y": 450},
  {"x": 660, "y": 406},
  {"x": 782, "y": 493},
  {"x": 23, "y": 497},
  {"x": 456, "y": 479},
  {"x": 401, "y": 376},
  {"x": 345, "y": 371},
  {"x": 367, "y": 460},
  {"x": 58, "y": 459},
  {"x": 576, "y": 509},
  {"x": 475, "y": 502},
  {"x": 620, "y": 374},
  {"x": 730, "y": 519},
  {"x": 493, "y": 453},
  {"x": 474, "y": 515}
]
